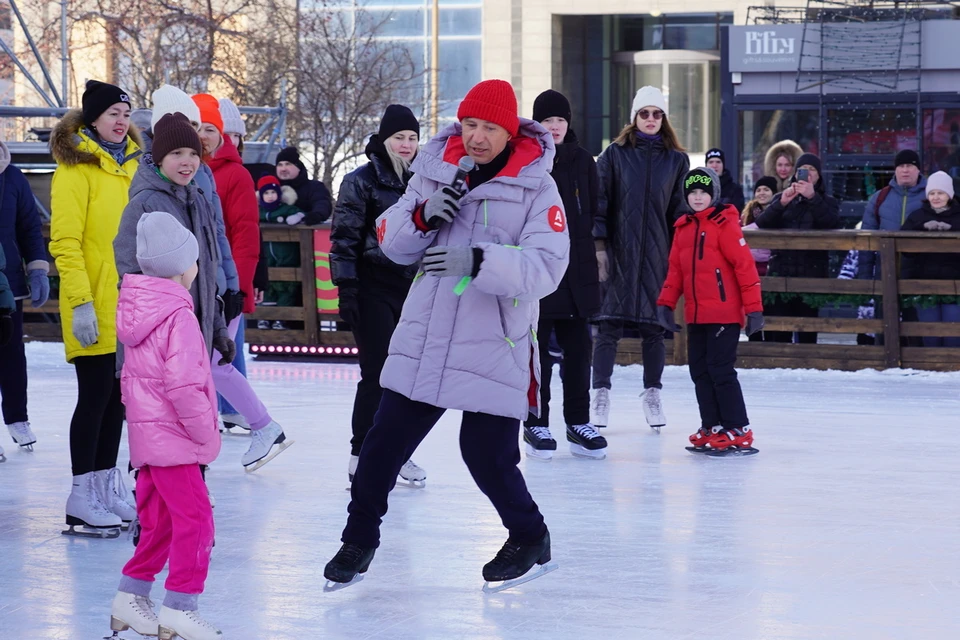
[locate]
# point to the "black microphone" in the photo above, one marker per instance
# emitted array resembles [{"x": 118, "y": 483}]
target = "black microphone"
[{"x": 465, "y": 166}]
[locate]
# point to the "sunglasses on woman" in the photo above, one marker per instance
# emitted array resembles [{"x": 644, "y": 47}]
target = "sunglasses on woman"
[{"x": 646, "y": 113}]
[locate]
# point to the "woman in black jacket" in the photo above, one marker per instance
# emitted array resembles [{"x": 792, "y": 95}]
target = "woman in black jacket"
[
  {"x": 940, "y": 212},
  {"x": 567, "y": 310},
  {"x": 372, "y": 288},
  {"x": 802, "y": 205},
  {"x": 641, "y": 176}
]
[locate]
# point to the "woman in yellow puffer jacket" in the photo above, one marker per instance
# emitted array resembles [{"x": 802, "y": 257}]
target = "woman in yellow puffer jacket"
[{"x": 97, "y": 156}]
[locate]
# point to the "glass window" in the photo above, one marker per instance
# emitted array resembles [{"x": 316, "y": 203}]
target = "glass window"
[
  {"x": 686, "y": 110},
  {"x": 856, "y": 182},
  {"x": 941, "y": 141},
  {"x": 871, "y": 131},
  {"x": 761, "y": 129},
  {"x": 457, "y": 22},
  {"x": 397, "y": 22},
  {"x": 460, "y": 70}
]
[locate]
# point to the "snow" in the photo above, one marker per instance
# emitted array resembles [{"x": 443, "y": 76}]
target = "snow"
[{"x": 844, "y": 526}]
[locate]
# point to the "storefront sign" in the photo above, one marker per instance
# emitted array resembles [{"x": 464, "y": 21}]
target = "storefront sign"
[{"x": 761, "y": 48}]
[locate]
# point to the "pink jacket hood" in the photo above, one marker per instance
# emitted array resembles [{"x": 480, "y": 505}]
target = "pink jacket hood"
[{"x": 166, "y": 381}]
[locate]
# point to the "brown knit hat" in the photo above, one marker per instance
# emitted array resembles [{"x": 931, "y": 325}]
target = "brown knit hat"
[{"x": 172, "y": 132}]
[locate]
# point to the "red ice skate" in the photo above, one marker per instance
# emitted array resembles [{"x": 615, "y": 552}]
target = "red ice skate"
[
  {"x": 732, "y": 441},
  {"x": 699, "y": 440}
]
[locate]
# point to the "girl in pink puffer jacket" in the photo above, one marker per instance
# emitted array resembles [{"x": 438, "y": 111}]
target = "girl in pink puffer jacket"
[{"x": 172, "y": 426}]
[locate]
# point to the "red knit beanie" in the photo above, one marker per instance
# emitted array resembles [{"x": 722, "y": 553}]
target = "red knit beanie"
[
  {"x": 493, "y": 101},
  {"x": 209, "y": 110}
]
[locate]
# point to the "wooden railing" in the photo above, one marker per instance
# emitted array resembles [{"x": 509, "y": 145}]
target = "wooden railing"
[{"x": 322, "y": 329}]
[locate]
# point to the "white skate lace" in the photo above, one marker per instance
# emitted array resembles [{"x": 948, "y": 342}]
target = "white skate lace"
[
  {"x": 116, "y": 485},
  {"x": 94, "y": 502},
  {"x": 144, "y": 606},
  {"x": 585, "y": 431},
  {"x": 542, "y": 433},
  {"x": 411, "y": 466},
  {"x": 194, "y": 617},
  {"x": 652, "y": 398}
]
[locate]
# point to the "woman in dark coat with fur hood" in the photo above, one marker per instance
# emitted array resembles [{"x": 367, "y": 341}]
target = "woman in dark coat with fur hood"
[
  {"x": 372, "y": 288},
  {"x": 577, "y": 299}
]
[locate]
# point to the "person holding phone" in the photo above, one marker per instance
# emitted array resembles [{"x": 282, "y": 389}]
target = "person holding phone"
[{"x": 802, "y": 205}]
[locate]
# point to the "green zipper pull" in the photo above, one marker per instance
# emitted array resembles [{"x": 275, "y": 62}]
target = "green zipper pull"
[{"x": 462, "y": 285}]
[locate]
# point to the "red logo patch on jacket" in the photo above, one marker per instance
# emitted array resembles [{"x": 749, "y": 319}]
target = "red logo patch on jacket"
[
  {"x": 557, "y": 220},
  {"x": 381, "y": 231}
]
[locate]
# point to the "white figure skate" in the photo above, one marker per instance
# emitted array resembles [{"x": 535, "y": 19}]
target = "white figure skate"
[
  {"x": 133, "y": 612},
  {"x": 22, "y": 435},
  {"x": 187, "y": 625},
  {"x": 114, "y": 495},
  {"x": 233, "y": 421},
  {"x": 412, "y": 476},
  {"x": 265, "y": 445},
  {"x": 85, "y": 510},
  {"x": 601, "y": 408},
  {"x": 653, "y": 409}
]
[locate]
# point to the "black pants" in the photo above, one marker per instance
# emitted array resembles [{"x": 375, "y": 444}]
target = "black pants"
[
  {"x": 712, "y": 352},
  {"x": 379, "y": 315},
  {"x": 791, "y": 307},
  {"x": 573, "y": 337},
  {"x": 605, "y": 353},
  {"x": 13, "y": 373},
  {"x": 97, "y": 424},
  {"x": 488, "y": 444}
]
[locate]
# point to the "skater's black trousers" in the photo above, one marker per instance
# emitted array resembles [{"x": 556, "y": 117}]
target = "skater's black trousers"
[
  {"x": 712, "y": 353},
  {"x": 573, "y": 336},
  {"x": 488, "y": 444},
  {"x": 97, "y": 423},
  {"x": 609, "y": 333},
  {"x": 379, "y": 315},
  {"x": 13, "y": 372}
]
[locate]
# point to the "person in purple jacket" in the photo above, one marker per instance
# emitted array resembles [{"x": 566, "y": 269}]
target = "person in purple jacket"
[{"x": 467, "y": 334}]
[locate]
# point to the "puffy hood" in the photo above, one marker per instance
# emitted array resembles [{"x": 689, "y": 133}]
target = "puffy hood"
[
  {"x": 4, "y": 156},
  {"x": 789, "y": 147},
  {"x": 530, "y": 160},
  {"x": 70, "y": 146},
  {"x": 144, "y": 304}
]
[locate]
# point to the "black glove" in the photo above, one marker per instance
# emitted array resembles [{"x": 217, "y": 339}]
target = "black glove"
[
  {"x": 442, "y": 206},
  {"x": 6, "y": 327},
  {"x": 349, "y": 306},
  {"x": 227, "y": 349},
  {"x": 666, "y": 319},
  {"x": 755, "y": 322},
  {"x": 233, "y": 304}
]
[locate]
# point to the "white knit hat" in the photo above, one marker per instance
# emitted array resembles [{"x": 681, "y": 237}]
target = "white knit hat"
[
  {"x": 165, "y": 248},
  {"x": 648, "y": 97},
  {"x": 232, "y": 121},
  {"x": 940, "y": 181},
  {"x": 169, "y": 99}
]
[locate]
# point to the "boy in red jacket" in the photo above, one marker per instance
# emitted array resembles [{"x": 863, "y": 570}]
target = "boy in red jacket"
[{"x": 712, "y": 268}]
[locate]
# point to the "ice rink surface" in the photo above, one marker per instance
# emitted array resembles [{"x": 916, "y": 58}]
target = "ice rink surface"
[{"x": 845, "y": 526}]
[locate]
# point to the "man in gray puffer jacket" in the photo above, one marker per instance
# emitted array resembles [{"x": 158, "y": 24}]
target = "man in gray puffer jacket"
[
  {"x": 466, "y": 338},
  {"x": 888, "y": 208}
]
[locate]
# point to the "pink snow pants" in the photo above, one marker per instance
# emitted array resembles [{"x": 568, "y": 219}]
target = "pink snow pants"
[
  {"x": 176, "y": 523},
  {"x": 231, "y": 384}
]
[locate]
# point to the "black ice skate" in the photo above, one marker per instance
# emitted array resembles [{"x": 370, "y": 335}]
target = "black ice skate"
[
  {"x": 347, "y": 567},
  {"x": 585, "y": 442},
  {"x": 516, "y": 563},
  {"x": 540, "y": 442}
]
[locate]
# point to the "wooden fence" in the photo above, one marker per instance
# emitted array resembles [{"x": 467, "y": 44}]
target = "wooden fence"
[{"x": 321, "y": 329}]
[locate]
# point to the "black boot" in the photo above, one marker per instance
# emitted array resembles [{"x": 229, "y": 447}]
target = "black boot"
[
  {"x": 514, "y": 560},
  {"x": 348, "y": 562}
]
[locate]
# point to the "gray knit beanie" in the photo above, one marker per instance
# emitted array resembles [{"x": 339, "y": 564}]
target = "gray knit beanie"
[{"x": 165, "y": 248}]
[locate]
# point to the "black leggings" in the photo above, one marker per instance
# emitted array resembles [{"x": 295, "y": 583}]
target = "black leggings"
[{"x": 97, "y": 424}]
